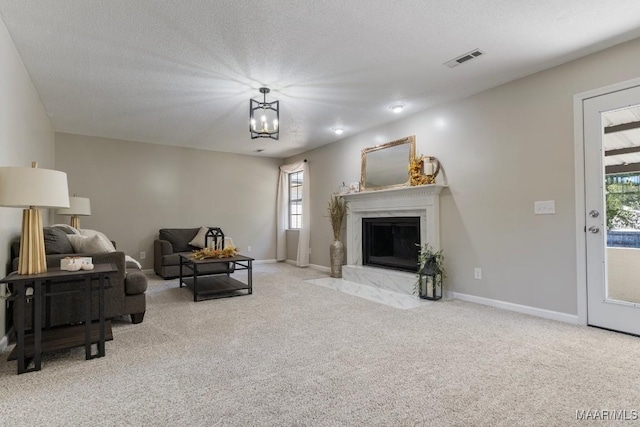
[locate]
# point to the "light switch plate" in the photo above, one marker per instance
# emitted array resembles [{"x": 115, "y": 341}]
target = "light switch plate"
[{"x": 545, "y": 207}]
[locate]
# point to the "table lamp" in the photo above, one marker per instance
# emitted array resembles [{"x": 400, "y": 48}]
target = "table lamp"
[
  {"x": 78, "y": 206},
  {"x": 30, "y": 188}
]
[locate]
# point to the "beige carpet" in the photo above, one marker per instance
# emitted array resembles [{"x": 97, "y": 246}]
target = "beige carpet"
[{"x": 297, "y": 354}]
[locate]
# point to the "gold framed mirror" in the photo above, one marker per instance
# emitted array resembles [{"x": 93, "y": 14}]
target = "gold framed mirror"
[{"x": 387, "y": 165}]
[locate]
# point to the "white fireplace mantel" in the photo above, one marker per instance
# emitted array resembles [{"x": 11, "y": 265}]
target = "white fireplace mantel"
[
  {"x": 422, "y": 201},
  {"x": 419, "y": 201}
]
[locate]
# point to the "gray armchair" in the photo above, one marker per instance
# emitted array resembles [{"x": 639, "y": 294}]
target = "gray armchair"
[{"x": 172, "y": 242}]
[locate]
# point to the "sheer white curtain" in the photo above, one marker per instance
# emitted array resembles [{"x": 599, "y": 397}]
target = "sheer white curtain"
[{"x": 302, "y": 259}]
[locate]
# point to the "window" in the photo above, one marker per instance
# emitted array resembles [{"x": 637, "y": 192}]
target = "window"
[
  {"x": 623, "y": 209},
  {"x": 295, "y": 199}
]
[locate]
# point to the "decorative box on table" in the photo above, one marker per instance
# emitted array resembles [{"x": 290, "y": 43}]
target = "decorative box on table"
[{"x": 64, "y": 262}]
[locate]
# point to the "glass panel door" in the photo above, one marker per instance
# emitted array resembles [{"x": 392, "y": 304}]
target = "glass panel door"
[{"x": 612, "y": 217}]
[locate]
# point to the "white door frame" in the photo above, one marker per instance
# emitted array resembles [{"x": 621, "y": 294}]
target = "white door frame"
[{"x": 581, "y": 243}]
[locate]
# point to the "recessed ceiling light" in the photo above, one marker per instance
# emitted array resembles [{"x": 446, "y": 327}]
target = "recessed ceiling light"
[
  {"x": 397, "y": 107},
  {"x": 338, "y": 130}
]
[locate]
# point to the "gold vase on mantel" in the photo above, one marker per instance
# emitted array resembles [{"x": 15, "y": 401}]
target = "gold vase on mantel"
[{"x": 336, "y": 254}]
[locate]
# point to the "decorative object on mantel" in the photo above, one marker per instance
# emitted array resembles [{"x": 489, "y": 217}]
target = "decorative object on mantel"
[
  {"x": 30, "y": 188},
  {"x": 431, "y": 273},
  {"x": 268, "y": 112},
  {"x": 385, "y": 165},
  {"x": 337, "y": 211},
  {"x": 423, "y": 170},
  {"x": 343, "y": 189},
  {"x": 78, "y": 206},
  {"x": 205, "y": 253}
]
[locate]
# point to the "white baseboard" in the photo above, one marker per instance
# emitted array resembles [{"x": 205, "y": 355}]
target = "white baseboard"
[
  {"x": 525, "y": 309},
  {"x": 148, "y": 271},
  {"x": 292, "y": 262},
  {"x": 314, "y": 266},
  {"x": 320, "y": 268}
]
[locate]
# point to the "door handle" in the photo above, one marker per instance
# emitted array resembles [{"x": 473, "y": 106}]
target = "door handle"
[
  {"x": 594, "y": 229},
  {"x": 594, "y": 214}
]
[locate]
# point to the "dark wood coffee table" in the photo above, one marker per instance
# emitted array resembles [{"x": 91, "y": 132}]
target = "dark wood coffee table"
[{"x": 215, "y": 285}]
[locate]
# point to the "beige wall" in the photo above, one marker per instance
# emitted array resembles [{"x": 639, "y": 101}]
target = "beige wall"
[
  {"x": 502, "y": 149},
  {"x": 137, "y": 188},
  {"x": 26, "y": 135}
]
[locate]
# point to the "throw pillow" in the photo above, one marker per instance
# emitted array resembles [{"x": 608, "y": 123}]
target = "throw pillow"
[
  {"x": 131, "y": 262},
  {"x": 66, "y": 228},
  {"x": 103, "y": 238},
  {"x": 179, "y": 238},
  {"x": 89, "y": 245},
  {"x": 56, "y": 241},
  {"x": 199, "y": 240}
]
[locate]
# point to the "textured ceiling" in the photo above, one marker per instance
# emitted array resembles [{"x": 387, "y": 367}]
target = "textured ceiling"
[{"x": 182, "y": 72}]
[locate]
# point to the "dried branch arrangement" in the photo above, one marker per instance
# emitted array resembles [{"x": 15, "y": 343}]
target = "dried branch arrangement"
[
  {"x": 337, "y": 210},
  {"x": 416, "y": 170},
  {"x": 228, "y": 252},
  {"x": 416, "y": 166}
]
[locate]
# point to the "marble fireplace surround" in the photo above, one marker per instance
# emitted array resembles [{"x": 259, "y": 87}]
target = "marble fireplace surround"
[{"x": 420, "y": 201}]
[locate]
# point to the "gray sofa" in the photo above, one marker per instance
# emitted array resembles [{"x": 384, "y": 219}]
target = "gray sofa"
[
  {"x": 126, "y": 297},
  {"x": 172, "y": 242}
]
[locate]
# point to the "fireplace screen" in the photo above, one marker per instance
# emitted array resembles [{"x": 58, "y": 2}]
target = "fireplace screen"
[{"x": 391, "y": 242}]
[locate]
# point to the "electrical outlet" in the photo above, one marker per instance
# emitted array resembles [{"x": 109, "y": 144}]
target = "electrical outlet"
[
  {"x": 143, "y": 255},
  {"x": 545, "y": 207},
  {"x": 248, "y": 248},
  {"x": 477, "y": 273}
]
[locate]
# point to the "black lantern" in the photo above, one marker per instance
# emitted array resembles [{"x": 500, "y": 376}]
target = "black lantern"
[
  {"x": 216, "y": 236},
  {"x": 430, "y": 280},
  {"x": 264, "y": 117}
]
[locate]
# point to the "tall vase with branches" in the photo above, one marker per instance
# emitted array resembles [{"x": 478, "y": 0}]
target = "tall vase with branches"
[{"x": 337, "y": 211}]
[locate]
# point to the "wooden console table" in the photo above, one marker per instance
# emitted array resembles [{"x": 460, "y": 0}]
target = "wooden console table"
[{"x": 29, "y": 346}]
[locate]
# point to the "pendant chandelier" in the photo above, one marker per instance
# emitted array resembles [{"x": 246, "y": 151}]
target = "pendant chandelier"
[{"x": 264, "y": 117}]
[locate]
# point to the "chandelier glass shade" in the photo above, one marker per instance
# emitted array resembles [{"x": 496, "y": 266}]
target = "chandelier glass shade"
[{"x": 264, "y": 117}]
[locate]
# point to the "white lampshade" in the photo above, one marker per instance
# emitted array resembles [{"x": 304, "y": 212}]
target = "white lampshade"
[
  {"x": 77, "y": 206},
  {"x": 32, "y": 188},
  {"x": 24, "y": 187}
]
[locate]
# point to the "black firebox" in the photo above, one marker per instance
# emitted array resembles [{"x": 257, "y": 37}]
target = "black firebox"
[{"x": 391, "y": 242}]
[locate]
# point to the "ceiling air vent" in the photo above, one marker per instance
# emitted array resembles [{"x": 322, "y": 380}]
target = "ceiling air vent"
[{"x": 464, "y": 58}]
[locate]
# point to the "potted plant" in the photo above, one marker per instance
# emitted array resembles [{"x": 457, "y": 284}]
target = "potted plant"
[
  {"x": 337, "y": 210},
  {"x": 431, "y": 273}
]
